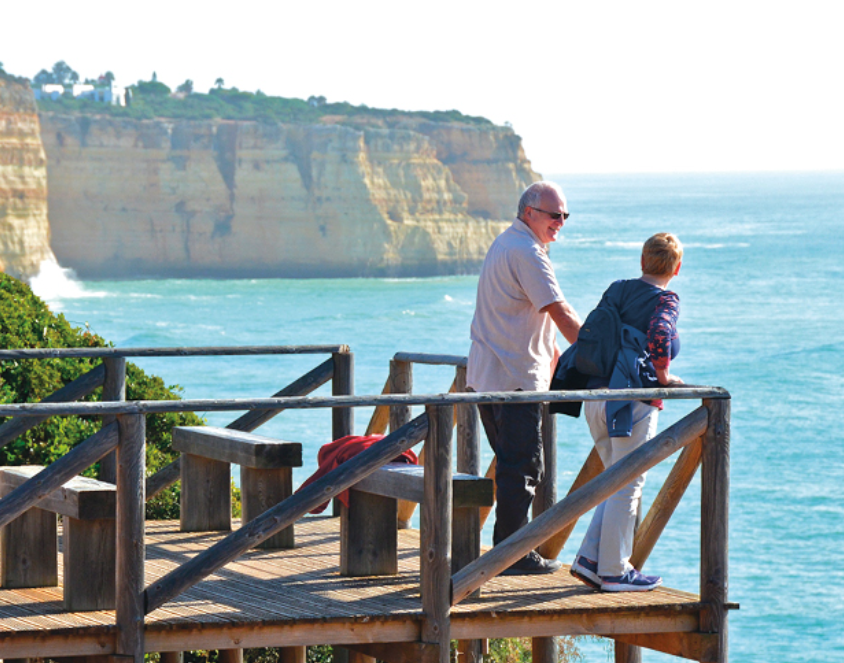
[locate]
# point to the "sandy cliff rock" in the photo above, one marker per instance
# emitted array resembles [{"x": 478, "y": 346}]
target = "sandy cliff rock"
[
  {"x": 214, "y": 198},
  {"x": 24, "y": 230}
]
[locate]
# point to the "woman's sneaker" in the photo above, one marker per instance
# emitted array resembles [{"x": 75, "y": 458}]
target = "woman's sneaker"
[
  {"x": 632, "y": 581},
  {"x": 586, "y": 571}
]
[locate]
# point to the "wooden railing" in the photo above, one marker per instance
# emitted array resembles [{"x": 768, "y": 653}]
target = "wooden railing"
[{"x": 703, "y": 435}]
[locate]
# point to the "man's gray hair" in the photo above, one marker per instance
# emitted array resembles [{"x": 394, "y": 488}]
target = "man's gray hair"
[{"x": 532, "y": 196}]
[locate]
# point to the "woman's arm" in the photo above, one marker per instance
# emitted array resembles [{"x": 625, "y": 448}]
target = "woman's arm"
[{"x": 661, "y": 330}]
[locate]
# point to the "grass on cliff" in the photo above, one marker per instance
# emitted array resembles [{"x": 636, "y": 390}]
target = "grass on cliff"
[
  {"x": 26, "y": 322},
  {"x": 150, "y": 101}
]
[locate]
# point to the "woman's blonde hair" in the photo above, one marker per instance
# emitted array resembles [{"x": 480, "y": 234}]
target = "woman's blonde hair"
[{"x": 661, "y": 254}]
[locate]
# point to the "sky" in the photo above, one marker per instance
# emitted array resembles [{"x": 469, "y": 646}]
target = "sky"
[{"x": 591, "y": 87}]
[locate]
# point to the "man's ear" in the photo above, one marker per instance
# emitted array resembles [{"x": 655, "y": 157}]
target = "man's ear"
[{"x": 677, "y": 269}]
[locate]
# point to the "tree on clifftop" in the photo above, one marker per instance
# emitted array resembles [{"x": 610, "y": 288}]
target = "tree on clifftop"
[{"x": 62, "y": 74}]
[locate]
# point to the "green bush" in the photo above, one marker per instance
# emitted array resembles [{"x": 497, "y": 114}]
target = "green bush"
[{"x": 26, "y": 322}]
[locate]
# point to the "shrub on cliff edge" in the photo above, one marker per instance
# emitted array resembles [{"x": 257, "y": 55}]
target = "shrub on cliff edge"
[{"x": 26, "y": 322}]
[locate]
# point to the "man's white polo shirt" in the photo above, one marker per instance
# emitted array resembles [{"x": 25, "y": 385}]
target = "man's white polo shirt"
[{"x": 512, "y": 342}]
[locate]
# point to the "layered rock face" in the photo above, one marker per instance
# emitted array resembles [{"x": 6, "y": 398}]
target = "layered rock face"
[
  {"x": 131, "y": 198},
  {"x": 24, "y": 230}
]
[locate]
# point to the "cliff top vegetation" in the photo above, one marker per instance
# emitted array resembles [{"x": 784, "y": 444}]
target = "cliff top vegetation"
[{"x": 152, "y": 98}]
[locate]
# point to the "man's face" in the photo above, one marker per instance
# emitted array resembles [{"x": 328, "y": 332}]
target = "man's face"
[{"x": 541, "y": 219}]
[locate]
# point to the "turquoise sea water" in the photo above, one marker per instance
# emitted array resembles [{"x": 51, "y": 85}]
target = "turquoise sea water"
[{"x": 762, "y": 288}]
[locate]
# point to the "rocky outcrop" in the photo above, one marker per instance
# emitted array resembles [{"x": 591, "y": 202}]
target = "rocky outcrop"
[
  {"x": 24, "y": 230},
  {"x": 133, "y": 198}
]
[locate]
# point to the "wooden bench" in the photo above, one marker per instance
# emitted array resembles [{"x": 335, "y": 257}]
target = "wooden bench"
[
  {"x": 266, "y": 477},
  {"x": 29, "y": 544},
  {"x": 369, "y": 527}
]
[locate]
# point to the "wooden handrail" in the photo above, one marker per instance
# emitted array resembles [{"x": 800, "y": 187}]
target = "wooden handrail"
[
  {"x": 541, "y": 528},
  {"x": 306, "y": 403},
  {"x": 434, "y": 360},
  {"x": 211, "y": 351},
  {"x": 285, "y": 513},
  {"x": 72, "y": 391},
  {"x": 52, "y": 477}
]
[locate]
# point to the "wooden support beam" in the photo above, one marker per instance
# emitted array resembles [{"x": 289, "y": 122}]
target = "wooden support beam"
[
  {"x": 292, "y": 654},
  {"x": 490, "y": 474},
  {"x": 380, "y": 415},
  {"x": 591, "y": 468},
  {"x": 129, "y": 607},
  {"x": 302, "y": 386},
  {"x": 714, "y": 523},
  {"x": 695, "y": 646},
  {"x": 286, "y": 513},
  {"x": 399, "y": 652},
  {"x": 665, "y": 503},
  {"x": 579, "y": 502},
  {"x": 230, "y": 656},
  {"x": 73, "y": 391},
  {"x": 59, "y": 472},
  {"x": 435, "y": 535}
]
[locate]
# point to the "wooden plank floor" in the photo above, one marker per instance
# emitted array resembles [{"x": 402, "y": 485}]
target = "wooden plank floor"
[{"x": 297, "y": 597}]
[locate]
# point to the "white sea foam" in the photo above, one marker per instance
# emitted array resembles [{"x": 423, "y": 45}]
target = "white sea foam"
[{"x": 55, "y": 283}]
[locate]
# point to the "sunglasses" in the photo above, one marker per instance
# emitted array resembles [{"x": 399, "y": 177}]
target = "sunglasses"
[{"x": 554, "y": 215}]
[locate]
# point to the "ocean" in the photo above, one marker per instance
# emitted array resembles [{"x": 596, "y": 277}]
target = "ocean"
[{"x": 761, "y": 292}]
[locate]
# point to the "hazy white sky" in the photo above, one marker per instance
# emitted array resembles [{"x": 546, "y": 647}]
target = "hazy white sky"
[{"x": 590, "y": 86}]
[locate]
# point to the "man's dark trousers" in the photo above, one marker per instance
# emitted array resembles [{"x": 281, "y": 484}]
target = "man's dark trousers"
[{"x": 515, "y": 433}]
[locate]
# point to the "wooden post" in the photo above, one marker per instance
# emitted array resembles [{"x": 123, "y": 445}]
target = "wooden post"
[
  {"x": 29, "y": 551},
  {"x": 293, "y": 655},
  {"x": 368, "y": 536},
  {"x": 230, "y": 656},
  {"x": 544, "y": 650},
  {"x": 343, "y": 384},
  {"x": 206, "y": 498},
  {"x": 342, "y": 418},
  {"x": 714, "y": 518},
  {"x": 89, "y": 559},
  {"x": 466, "y": 525},
  {"x": 114, "y": 389},
  {"x": 435, "y": 563},
  {"x": 401, "y": 382},
  {"x": 624, "y": 651},
  {"x": 262, "y": 489},
  {"x": 129, "y": 605}
]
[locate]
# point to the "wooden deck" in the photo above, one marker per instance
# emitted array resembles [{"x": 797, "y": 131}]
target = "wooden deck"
[{"x": 297, "y": 597}]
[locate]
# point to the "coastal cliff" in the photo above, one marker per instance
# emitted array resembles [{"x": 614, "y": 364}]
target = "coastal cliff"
[
  {"x": 24, "y": 229},
  {"x": 214, "y": 198}
]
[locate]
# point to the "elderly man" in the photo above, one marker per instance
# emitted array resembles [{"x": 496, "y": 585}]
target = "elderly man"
[{"x": 519, "y": 308}]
